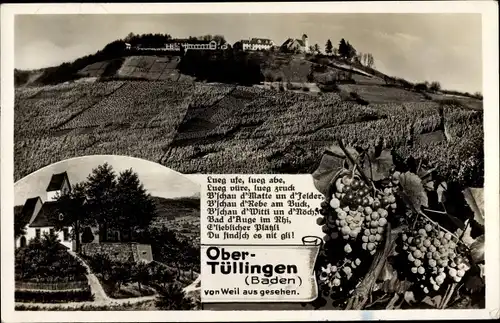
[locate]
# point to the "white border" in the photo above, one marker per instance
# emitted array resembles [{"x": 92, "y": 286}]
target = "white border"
[{"x": 489, "y": 11}]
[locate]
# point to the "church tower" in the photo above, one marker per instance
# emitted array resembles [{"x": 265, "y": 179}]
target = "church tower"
[{"x": 305, "y": 41}]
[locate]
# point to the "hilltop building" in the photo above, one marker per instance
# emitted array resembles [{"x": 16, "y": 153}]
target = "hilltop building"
[
  {"x": 296, "y": 45},
  {"x": 257, "y": 44},
  {"x": 186, "y": 44},
  {"x": 39, "y": 217}
]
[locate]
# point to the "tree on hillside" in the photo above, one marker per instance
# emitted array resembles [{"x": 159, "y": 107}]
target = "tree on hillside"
[
  {"x": 19, "y": 226},
  {"x": 137, "y": 207},
  {"x": 220, "y": 39},
  {"x": 173, "y": 298},
  {"x": 316, "y": 49},
  {"x": 129, "y": 37},
  {"x": 435, "y": 86},
  {"x": 328, "y": 47},
  {"x": 335, "y": 52},
  {"x": 343, "y": 48},
  {"x": 351, "y": 51},
  {"x": 368, "y": 60},
  {"x": 100, "y": 193}
]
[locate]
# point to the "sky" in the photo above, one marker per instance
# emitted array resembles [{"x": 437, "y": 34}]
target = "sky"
[
  {"x": 158, "y": 180},
  {"x": 419, "y": 47}
]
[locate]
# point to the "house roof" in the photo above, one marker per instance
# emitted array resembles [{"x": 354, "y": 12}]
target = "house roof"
[
  {"x": 48, "y": 216},
  {"x": 26, "y": 211},
  {"x": 290, "y": 42},
  {"x": 258, "y": 41},
  {"x": 56, "y": 182}
]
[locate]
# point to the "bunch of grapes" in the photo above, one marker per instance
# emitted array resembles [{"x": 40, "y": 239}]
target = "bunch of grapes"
[
  {"x": 352, "y": 213},
  {"x": 433, "y": 257},
  {"x": 332, "y": 277}
]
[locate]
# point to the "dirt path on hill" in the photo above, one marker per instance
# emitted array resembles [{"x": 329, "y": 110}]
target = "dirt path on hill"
[{"x": 100, "y": 297}]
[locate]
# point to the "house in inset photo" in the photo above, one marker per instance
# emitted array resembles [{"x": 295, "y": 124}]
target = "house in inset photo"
[{"x": 39, "y": 216}]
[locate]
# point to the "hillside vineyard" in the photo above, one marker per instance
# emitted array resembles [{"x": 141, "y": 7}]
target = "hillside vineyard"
[{"x": 195, "y": 127}]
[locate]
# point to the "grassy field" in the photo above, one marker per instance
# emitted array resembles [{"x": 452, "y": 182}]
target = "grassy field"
[{"x": 196, "y": 127}]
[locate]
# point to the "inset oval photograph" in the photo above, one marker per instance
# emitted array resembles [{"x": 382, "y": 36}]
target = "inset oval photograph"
[{"x": 107, "y": 232}]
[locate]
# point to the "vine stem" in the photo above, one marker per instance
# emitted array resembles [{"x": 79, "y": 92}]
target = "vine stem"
[
  {"x": 353, "y": 161},
  {"x": 435, "y": 223}
]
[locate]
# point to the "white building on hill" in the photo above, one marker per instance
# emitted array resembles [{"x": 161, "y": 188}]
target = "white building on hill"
[
  {"x": 175, "y": 45},
  {"x": 257, "y": 44}
]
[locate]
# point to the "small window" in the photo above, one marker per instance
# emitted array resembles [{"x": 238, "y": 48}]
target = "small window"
[
  {"x": 38, "y": 233},
  {"x": 66, "y": 234}
]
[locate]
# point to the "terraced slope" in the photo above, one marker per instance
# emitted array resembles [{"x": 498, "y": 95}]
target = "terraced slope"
[{"x": 220, "y": 128}]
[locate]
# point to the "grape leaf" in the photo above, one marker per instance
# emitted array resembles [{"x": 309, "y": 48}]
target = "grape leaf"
[
  {"x": 441, "y": 190},
  {"x": 466, "y": 237},
  {"x": 409, "y": 297},
  {"x": 378, "y": 166},
  {"x": 412, "y": 191},
  {"x": 481, "y": 270},
  {"x": 434, "y": 301},
  {"x": 474, "y": 283},
  {"x": 477, "y": 249},
  {"x": 332, "y": 162},
  {"x": 429, "y": 186},
  {"x": 475, "y": 199},
  {"x": 387, "y": 273}
]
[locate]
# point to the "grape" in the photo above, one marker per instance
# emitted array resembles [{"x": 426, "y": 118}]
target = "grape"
[
  {"x": 371, "y": 246},
  {"x": 347, "y": 248},
  {"x": 452, "y": 272},
  {"x": 364, "y": 238},
  {"x": 375, "y": 216},
  {"x": 346, "y": 180},
  {"x": 364, "y": 245},
  {"x": 414, "y": 270},
  {"x": 334, "y": 203},
  {"x": 336, "y": 282},
  {"x": 380, "y": 230},
  {"x": 320, "y": 221},
  {"x": 357, "y": 261},
  {"x": 382, "y": 222},
  {"x": 417, "y": 254},
  {"x": 432, "y": 262},
  {"x": 421, "y": 270},
  {"x": 417, "y": 262},
  {"x": 428, "y": 227},
  {"x": 371, "y": 238}
]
